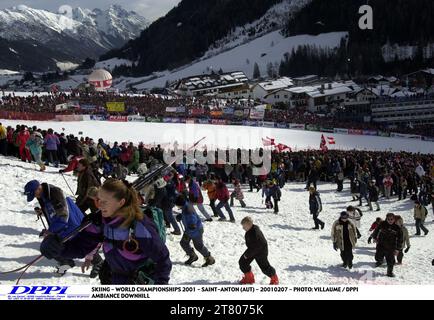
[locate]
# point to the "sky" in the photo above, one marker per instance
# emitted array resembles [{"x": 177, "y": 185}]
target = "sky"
[{"x": 150, "y": 9}]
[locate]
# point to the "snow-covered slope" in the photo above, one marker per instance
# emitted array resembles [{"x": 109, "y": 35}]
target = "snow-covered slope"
[
  {"x": 24, "y": 23},
  {"x": 69, "y": 36},
  {"x": 274, "y": 19},
  {"x": 269, "y": 48},
  {"x": 224, "y": 136},
  {"x": 300, "y": 255}
]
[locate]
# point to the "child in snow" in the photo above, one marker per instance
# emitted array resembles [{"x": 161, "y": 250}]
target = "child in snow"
[
  {"x": 257, "y": 249},
  {"x": 237, "y": 194},
  {"x": 193, "y": 232},
  {"x": 405, "y": 239}
]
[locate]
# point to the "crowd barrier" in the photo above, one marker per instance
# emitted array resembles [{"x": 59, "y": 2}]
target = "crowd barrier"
[{"x": 16, "y": 115}]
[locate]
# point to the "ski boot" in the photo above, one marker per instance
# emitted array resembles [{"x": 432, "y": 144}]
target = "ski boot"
[
  {"x": 274, "y": 280},
  {"x": 193, "y": 257},
  {"x": 209, "y": 261},
  {"x": 248, "y": 278}
]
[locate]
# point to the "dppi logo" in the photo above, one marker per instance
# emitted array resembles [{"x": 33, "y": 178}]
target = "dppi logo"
[{"x": 46, "y": 290}]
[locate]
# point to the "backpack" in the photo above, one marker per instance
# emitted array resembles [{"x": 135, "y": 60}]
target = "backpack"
[{"x": 158, "y": 218}]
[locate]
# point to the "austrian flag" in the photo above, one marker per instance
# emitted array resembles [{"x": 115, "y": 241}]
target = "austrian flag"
[{"x": 331, "y": 140}]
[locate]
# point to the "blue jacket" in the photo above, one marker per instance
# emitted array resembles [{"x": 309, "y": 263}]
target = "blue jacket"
[
  {"x": 51, "y": 142},
  {"x": 191, "y": 221},
  {"x": 315, "y": 203},
  {"x": 63, "y": 215},
  {"x": 122, "y": 263}
]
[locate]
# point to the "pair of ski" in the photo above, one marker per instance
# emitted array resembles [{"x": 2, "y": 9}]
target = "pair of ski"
[{"x": 138, "y": 184}]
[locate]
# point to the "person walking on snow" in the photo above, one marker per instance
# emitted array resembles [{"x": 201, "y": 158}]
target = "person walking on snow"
[
  {"x": 420, "y": 214},
  {"x": 344, "y": 238},
  {"x": 257, "y": 249},
  {"x": 355, "y": 215},
  {"x": 405, "y": 239},
  {"x": 237, "y": 194},
  {"x": 388, "y": 237},
  {"x": 315, "y": 207},
  {"x": 193, "y": 231},
  {"x": 195, "y": 197},
  {"x": 222, "y": 194}
]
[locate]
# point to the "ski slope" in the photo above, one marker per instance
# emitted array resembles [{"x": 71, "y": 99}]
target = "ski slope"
[
  {"x": 300, "y": 255},
  {"x": 224, "y": 136}
]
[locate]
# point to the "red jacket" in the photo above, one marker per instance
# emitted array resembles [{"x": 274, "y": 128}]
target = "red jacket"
[
  {"x": 222, "y": 192},
  {"x": 22, "y": 138},
  {"x": 72, "y": 165}
]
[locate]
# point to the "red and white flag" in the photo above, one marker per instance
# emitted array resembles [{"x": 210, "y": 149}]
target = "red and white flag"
[
  {"x": 331, "y": 140},
  {"x": 268, "y": 142},
  {"x": 283, "y": 147},
  {"x": 323, "y": 144}
]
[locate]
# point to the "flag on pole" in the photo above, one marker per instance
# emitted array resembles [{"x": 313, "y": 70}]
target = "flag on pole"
[
  {"x": 268, "y": 142},
  {"x": 323, "y": 144},
  {"x": 282, "y": 147},
  {"x": 331, "y": 140}
]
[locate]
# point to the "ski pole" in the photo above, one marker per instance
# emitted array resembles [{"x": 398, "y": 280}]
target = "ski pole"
[
  {"x": 72, "y": 192},
  {"x": 38, "y": 258}
]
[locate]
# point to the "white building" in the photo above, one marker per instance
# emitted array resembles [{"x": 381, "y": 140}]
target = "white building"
[
  {"x": 261, "y": 89},
  {"x": 328, "y": 95},
  {"x": 212, "y": 84},
  {"x": 395, "y": 111}
]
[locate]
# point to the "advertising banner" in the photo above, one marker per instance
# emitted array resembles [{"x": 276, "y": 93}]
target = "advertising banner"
[
  {"x": 340, "y": 130},
  {"x": 115, "y": 106},
  {"x": 117, "y": 118}
]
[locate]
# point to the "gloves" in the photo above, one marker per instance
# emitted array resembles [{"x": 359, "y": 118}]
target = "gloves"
[
  {"x": 369, "y": 240},
  {"x": 51, "y": 246},
  {"x": 61, "y": 171},
  {"x": 95, "y": 218},
  {"x": 335, "y": 246},
  {"x": 179, "y": 217},
  {"x": 38, "y": 211},
  {"x": 192, "y": 226},
  {"x": 406, "y": 250}
]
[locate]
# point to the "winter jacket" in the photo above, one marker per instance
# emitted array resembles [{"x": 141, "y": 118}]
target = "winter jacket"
[
  {"x": 194, "y": 193},
  {"x": 222, "y": 192},
  {"x": 123, "y": 264},
  {"x": 210, "y": 187},
  {"x": 85, "y": 181},
  {"x": 256, "y": 243},
  {"x": 51, "y": 142},
  {"x": 72, "y": 165},
  {"x": 3, "y": 133},
  {"x": 373, "y": 193},
  {"x": 315, "y": 204},
  {"x": 388, "y": 236},
  {"x": 338, "y": 233},
  {"x": 35, "y": 144},
  {"x": 355, "y": 217},
  {"x": 191, "y": 221},
  {"x": 238, "y": 192},
  {"x": 405, "y": 238},
  {"x": 420, "y": 213},
  {"x": 420, "y": 171},
  {"x": 388, "y": 182},
  {"x": 22, "y": 138},
  {"x": 62, "y": 214}
]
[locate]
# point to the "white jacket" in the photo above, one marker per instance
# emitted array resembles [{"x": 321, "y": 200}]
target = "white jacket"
[{"x": 355, "y": 217}]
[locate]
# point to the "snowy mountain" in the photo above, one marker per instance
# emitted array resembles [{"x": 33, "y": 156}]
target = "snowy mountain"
[{"x": 67, "y": 37}]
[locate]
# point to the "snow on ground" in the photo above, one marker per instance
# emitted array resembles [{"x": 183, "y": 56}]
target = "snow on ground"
[
  {"x": 300, "y": 255},
  {"x": 263, "y": 50},
  {"x": 224, "y": 136}
]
